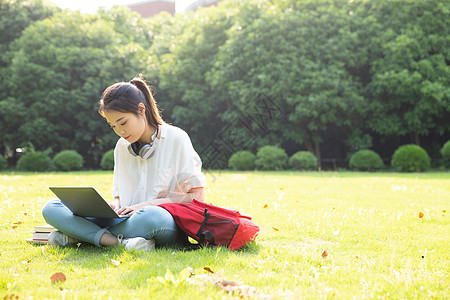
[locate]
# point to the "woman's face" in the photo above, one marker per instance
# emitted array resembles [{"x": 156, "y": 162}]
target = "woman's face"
[{"x": 127, "y": 125}]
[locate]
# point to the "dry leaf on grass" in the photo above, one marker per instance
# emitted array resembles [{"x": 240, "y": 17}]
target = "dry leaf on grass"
[
  {"x": 325, "y": 254},
  {"x": 208, "y": 269},
  {"x": 420, "y": 215},
  {"x": 115, "y": 262},
  {"x": 58, "y": 277},
  {"x": 232, "y": 288}
]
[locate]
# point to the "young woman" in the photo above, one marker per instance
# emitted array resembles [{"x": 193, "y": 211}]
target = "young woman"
[{"x": 154, "y": 163}]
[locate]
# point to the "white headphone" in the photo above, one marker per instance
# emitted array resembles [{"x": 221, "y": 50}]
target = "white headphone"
[{"x": 146, "y": 150}]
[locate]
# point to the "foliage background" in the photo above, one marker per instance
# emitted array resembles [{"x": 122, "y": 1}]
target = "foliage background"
[{"x": 328, "y": 76}]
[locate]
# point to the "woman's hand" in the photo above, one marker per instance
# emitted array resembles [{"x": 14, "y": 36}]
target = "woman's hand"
[
  {"x": 129, "y": 210},
  {"x": 115, "y": 205}
]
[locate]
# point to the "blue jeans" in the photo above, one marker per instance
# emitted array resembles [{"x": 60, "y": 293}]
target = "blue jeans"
[{"x": 151, "y": 222}]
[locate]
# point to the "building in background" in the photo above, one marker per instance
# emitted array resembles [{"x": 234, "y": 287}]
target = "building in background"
[
  {"x": 193, "y": 5},
  {"x": 149, "y": 8}
]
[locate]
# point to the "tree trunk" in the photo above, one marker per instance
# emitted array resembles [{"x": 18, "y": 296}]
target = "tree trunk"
[
  {"x": 314, "y": 147},
  {"x": 317, "y": 154},
  {"x": 416, "y": 138}
]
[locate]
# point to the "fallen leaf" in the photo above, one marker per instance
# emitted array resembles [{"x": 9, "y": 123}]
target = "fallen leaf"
[
  {"x": 115, "y": 262},
  {"x": 14, "y": 227},
  {"x": 227, "y": 282},
  {"x": 421, "y": 215},
  {"x": 208, "y": 269},
  {"x": 58, "y": 277},
  {"x": 324, "y": 254},
  {"x": 276, "y": 229},
  {"x": 265, "y": 206}
]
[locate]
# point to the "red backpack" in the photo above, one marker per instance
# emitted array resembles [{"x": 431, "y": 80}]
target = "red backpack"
[{"x": 212, "y": 225}]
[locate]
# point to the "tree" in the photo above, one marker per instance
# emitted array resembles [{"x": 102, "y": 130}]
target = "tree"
[
  {"x": 409, "y": 84},
  {"x": 65, "y": 62},
  {"x": 183, "y": 73},
  {"x": 301, "y": 56},
  {"x": 15, "y": 16}
]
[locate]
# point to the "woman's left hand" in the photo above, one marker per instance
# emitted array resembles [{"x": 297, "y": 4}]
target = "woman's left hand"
[{"x": 129, "y": 210}]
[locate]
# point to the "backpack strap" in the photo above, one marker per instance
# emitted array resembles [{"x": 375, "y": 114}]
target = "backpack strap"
[{"x": 205, "y": 237}]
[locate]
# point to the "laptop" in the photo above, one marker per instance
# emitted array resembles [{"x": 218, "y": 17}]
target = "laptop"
[{"x": 88, "y": 203}]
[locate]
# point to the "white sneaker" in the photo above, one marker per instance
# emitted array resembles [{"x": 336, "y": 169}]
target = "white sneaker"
[
  {"x": 59, "y": 239},
  {"x": 138, "y": 243}
]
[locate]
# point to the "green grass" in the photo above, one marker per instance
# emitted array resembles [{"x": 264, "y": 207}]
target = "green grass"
[{"x": 369, "y": 224}]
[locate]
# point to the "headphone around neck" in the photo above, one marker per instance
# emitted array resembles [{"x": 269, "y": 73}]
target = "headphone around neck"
[{"x": 146, "y": 150}]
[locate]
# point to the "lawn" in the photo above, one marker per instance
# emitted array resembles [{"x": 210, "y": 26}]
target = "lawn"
[{"x": 377, "y": 246}]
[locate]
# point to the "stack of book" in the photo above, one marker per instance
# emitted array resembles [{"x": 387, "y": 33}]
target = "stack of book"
[{"x": 40, "y": 234}]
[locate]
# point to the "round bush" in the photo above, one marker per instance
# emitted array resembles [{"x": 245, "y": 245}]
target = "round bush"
[
  {"x": 107, "y": 162},
  {"x": 68, "y": 160},
  {"x": 2, "y": 162},
  {"x": 410, "y": 158},
  {"x": 271, "y": 158},
  {"x": 366, "y": 160},
  {"x": 34, "y": 161},
  {"x": 445, "y": 151},
  {"x": 242, "y": 160},
  {"x": 303, "y": 160}
]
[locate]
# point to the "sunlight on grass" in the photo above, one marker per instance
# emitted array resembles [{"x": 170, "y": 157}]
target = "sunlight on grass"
[{"x": 369, "y": 224}]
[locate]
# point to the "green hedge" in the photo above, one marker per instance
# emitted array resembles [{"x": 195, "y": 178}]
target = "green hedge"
[
  {"x": 303, "y": 160},
  {"x": 242, "y": 160},
  {"x": 68, "y": 160},
  {"x": 35, "y": 161},
  {"x": 445, "y": 150},
  {"x": 107, "y": 162},
  {"x": 411, "y": 158},
  {"x": 2, "y": 162},
  {"x": 271, "y": 158},
  {"x": 366, "y": 160}
]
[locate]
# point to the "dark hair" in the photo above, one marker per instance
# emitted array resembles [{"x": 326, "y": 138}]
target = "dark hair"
[{"x": 126, "y": 97}]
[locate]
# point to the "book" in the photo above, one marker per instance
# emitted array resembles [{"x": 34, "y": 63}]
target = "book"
[
  {"x": 37, "y": 241},
  {"x": 40, "y": 234},
  {"x": 44, "y": 228}
]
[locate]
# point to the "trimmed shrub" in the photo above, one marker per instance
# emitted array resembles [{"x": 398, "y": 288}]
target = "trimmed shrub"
[
  {"x": 68, "y": 160},
  {"x": 271, "y": 158},
  {"x": 107, "y": 162},
  {"x": 34, "y": 161},
  {"x": 445, "y": 150},
  {"x": 366, "y": 160},
  {"x": 411, "y": 158},
  {"x": 2, "y": 162},
  {"x": 242, "y": 160},
  {"x": 303, "y": 160}
]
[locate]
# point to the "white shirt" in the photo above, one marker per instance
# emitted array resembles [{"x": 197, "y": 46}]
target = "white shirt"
[{"x": 174, "y": 168}]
